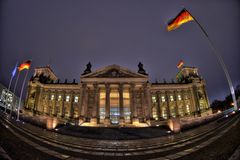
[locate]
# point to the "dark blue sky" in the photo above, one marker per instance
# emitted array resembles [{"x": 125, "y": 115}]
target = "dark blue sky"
[{"x": 68, "y": 34}]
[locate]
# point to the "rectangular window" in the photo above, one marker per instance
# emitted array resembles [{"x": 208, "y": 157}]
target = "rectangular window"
[
  {"x": 59, "y": 98},
  {"x": 154, "y": 99},
  {"x": 164, "y": 113},
  {"x": 76, "y": 99},
  {"x": 179, "y": 97},
  {"x": 154, "y": 113},
  {"x": 187, "y": 109},
  {"x": 180, "y": 111},
  {"x": 171, "y": 98},
  {"x": 67, "y": 98},
  {"x": 163, "y": 99},
  {"x": 172, "y": 111},
  {"x": 127, "y": 113},
  {"x": 52, "y": 97},
  {"x": 126, "y": 104},
  {"x": 102, "y": 113}
]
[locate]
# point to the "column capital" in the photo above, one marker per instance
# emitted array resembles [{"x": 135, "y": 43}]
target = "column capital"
[
  {"x": 120, "y": 87},
  {"x": 96, "y": 87},
  {"x": 107, "y": 86}
]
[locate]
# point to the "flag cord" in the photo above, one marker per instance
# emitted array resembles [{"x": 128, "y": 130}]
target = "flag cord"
[{"x": 220, "y": 60}]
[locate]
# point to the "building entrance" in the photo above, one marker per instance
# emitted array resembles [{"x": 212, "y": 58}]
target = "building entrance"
[
  {"x": 114, "y": 107},
  {"x": 114, "y": 115}
]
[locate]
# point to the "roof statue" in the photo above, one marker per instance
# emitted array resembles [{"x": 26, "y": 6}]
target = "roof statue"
[
  {"x": 141, "y": 70},
  {"x": 88, "y": 68}
]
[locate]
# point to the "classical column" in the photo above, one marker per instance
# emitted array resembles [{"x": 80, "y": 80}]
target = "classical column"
[
  {"x": 205, "y": 96},
  {"x": 133, "y": 104},
  {"x": 195, "y": 98},
  {"x": 148, "y": 103},
  {"x": 168, "y": 107},
  {"x": 55, "y": 103},
  {"x": 48, "y": 103},
  {"x": 83, "y": 101},
  {"x": 184, "y": 103},
  {"x": 159, "y": 110},
  {"x": 27, "y": 100},
  {"x": 96, "y": 106},
  {"x": 71, "y": 114},
  {"x": 176, "y": 104},
  {"x": 143, "y": 104},
  {"x": 120, "y": 90},
  {"x": 63, "y": 104},
  {"x": 80, "y": 102},
  {"x": 107, "y": 110},
  {"x": 38, "y": 100}
]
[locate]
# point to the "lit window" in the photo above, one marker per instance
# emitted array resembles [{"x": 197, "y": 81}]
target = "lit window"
[
  {"x": 179, "y": 97},
  {"x": 154, "y": 113},
  {"x": 67, "y": 98},
  {"x": 76, "y": 99},
  {"x": 59, "y": 98},
  {"x": 187, "y": 108},
  {"x": 164, "y": 113},
  {"x": 127, "y": 113},
  {"x": 154, "y": 100},
  {"x": 126, "y": 105},
  {"x": 171, "y": 98},
  {"x": 180, "y": 111},
  {"x": 172, "y": 111},
  {"x": 52, "y": 97},
  {"x": 163, "y": 99},
  {"x": 186, "y": 97}
]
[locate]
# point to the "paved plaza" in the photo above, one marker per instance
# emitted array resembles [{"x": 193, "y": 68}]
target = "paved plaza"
[{"x": 53, "y": 145}]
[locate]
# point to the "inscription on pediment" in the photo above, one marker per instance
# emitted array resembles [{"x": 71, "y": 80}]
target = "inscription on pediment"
[{"x": 114, "y": 73}]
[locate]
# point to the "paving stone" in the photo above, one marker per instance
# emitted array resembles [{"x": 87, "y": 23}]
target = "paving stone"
[
  {"x": 119, "y": 154},
  {"x": 127, "y": 154},
  {"x": 173, "y": 156}
]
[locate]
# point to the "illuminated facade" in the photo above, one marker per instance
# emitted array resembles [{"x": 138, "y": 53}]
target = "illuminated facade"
[
  {"x": 8, "y": 99},
  {"x": 115, "y": 95}
]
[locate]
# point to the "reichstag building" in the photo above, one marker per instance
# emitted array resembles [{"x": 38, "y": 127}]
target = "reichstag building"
[{"x": 115, "y": 95}]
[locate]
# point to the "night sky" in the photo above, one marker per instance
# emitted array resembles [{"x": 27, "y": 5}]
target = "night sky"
[{"x": 69, "y": 34}]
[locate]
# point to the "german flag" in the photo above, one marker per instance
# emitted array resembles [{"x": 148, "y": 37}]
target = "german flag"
[
  {"x": 25, "y": 65},
  {"x": 180, "y": 64},
  {"x": 183, "y": 17}
]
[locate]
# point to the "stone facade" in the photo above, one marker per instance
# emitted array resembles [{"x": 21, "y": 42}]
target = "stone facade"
[{"x": 114, "y": 95}]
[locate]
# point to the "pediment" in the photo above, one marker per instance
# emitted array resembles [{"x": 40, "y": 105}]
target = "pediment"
[{"x": 114, "y": 71}]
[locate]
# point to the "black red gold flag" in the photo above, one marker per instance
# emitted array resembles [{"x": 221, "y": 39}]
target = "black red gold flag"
[{"x": 183, "y": 17}]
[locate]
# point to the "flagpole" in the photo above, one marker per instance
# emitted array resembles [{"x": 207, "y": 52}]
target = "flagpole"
[
  {"x": 14, "y": 90},
  {"x": 220, "y": 60},
  {"x": 9, "y": 85},
  {"x": 19, "y": 104}
]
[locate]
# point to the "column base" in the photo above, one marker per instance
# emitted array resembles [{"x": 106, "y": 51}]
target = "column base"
[
  {"x": 135, "y": 121},
  {"x": 121, "y": 121},
  {"x": 107, "y": 121},
  {"x": 81, "y": 121},
  {"x": 93, "y": 121}
]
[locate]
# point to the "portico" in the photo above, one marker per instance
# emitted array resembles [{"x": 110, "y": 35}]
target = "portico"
[{"x": 118, "y": 96}]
